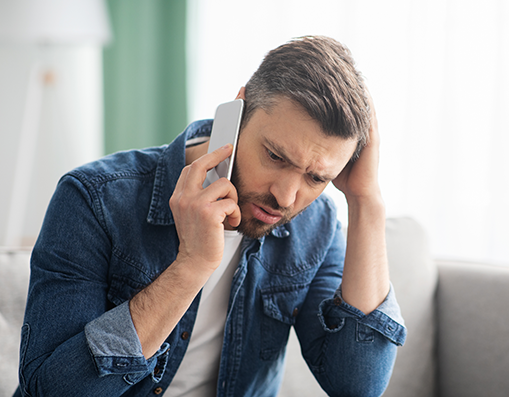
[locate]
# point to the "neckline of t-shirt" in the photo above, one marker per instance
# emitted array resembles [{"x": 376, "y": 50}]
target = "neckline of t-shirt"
[{"x": 231, "y": 233}]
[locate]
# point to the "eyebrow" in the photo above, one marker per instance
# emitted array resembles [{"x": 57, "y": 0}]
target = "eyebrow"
[{"x": 281, "y": 152}]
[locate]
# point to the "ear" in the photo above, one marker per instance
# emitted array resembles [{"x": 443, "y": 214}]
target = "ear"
[{"x": 242, "y": 93}]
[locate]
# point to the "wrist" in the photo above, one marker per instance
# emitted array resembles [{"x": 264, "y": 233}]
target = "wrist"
[
  {"x": 187, "y": 270},
  {"x": 373, "y": 202}
]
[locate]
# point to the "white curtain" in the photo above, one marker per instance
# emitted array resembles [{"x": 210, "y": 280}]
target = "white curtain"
[{"x": 438, "y": 73}]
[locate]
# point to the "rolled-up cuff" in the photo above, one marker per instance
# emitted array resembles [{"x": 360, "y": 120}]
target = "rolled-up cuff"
[
  {"x": 386, "y": 319},
  {"x": 116, "y": 348}
]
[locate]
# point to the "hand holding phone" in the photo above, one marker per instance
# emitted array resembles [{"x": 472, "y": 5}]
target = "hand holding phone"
[{"x": 225, "y": 129}]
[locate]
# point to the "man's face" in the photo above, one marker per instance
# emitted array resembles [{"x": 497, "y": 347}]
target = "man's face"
[{"x": 283, "y": 163}]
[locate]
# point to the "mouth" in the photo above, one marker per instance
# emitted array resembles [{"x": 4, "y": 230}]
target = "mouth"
[{"x": 265, "y": 215}]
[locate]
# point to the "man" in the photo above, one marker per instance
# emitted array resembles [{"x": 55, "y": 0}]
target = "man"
[{"x": 131, "y": 296}]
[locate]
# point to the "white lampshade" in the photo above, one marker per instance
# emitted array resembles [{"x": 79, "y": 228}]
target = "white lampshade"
[{"x": 54, "y": 22}]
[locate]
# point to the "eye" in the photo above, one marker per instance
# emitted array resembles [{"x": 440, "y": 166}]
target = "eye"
[
  {"x": 316, "y": 179},
  {"x": 273, "y": 156}
]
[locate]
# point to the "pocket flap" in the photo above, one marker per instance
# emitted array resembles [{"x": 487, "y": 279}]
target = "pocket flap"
[{"x": 283, "y": 303}]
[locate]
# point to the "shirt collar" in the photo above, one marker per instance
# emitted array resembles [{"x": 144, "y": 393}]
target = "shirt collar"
[{"x": 169, "y": 166}]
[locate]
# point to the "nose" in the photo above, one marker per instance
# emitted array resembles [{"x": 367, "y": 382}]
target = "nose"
[{"x": 285, "y": 190}]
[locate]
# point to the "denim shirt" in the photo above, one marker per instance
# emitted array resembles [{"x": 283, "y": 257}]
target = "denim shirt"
[{"x": 109, "y": 232}]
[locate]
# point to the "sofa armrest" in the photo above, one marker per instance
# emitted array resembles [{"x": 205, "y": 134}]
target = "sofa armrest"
[{"x": 473, "y": 323}]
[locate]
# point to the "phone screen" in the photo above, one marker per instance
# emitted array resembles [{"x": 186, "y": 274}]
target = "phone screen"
[{"x": 225, "y": 129}]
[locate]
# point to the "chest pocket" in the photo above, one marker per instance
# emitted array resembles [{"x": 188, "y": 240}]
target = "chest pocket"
[{"x": 281, "y": 306}]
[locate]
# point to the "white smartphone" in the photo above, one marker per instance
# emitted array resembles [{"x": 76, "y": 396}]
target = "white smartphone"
[{"x": 225, "y": 129}]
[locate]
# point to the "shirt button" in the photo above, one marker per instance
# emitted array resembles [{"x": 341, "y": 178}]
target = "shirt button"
[
  {"x": 295, "y": 312},
  {"x": 337, "y": 301},
  {"x": 156, "y": 371},
  {"x": 158, "y": 390},
  {"x": 185, "y": 335}
]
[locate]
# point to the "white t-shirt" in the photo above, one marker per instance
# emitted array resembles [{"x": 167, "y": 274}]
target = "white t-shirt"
[{"x": 198, "y": 372}]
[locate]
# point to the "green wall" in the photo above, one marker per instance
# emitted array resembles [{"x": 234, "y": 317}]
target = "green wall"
[{"x": 145, "y": 73}]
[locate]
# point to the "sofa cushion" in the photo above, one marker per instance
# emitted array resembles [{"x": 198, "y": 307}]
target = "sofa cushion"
[
  {"x": 14, "y": 274},
  {"x": 414, "y": 276}
]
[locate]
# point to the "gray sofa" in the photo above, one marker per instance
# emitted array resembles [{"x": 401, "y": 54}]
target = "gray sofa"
[{"x": 457, "y": 316}]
